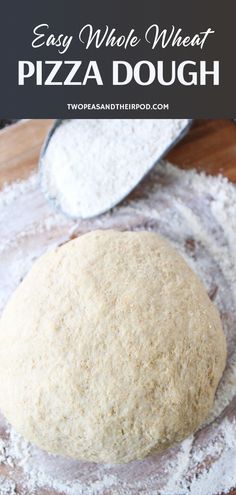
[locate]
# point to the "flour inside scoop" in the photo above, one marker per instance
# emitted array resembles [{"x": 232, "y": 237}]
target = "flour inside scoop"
[
  {"x": 88, "y": 166},
  {"x": 197, "y": 214}
]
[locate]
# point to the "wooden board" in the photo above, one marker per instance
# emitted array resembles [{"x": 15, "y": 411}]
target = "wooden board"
[
  {"x": 20, "y": 146},
  {"x": 209, "y": 146}
]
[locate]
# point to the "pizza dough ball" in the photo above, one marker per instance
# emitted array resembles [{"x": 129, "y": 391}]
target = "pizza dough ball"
[{"x": 110, "y": 349}]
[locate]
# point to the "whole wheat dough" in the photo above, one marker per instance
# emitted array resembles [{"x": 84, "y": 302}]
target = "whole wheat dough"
[{"x": 109, "y": 349}]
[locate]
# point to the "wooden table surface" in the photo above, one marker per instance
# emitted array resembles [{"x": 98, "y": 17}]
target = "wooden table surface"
[{"x": 209, "y": 146}]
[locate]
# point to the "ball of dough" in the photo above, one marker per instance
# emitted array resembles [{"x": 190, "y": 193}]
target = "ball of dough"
[{"x": 110, "y": 349}]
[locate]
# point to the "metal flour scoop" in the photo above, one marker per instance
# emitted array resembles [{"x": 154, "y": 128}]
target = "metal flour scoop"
[{"x": 89, "y": 166}]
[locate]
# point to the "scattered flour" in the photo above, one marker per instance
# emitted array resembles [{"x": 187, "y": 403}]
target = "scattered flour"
[
  {"x": 197, "y": 214},
  {"x": 90, "y": 165},
  {"x": 7, "y": 487}
]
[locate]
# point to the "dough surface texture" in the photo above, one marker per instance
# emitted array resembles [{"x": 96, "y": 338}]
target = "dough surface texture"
[{"x": 110, "y": 349}]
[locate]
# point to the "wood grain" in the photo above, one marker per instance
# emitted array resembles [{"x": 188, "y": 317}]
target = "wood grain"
[
  {"x": 209, "y": 146},
  {"x": 20, "y": 146}
]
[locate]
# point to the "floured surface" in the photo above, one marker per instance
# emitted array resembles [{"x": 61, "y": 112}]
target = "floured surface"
[{"x": 197, "y": 214}]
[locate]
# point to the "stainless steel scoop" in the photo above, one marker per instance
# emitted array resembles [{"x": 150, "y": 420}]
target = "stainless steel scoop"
[{"x": 119, "y": 195}]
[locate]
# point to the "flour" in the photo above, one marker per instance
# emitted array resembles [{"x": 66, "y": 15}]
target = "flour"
[
  {"x": 197, "y": 214},
  {"x": 90, "y": 165},
  {"x": 7, "y": 487}
]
